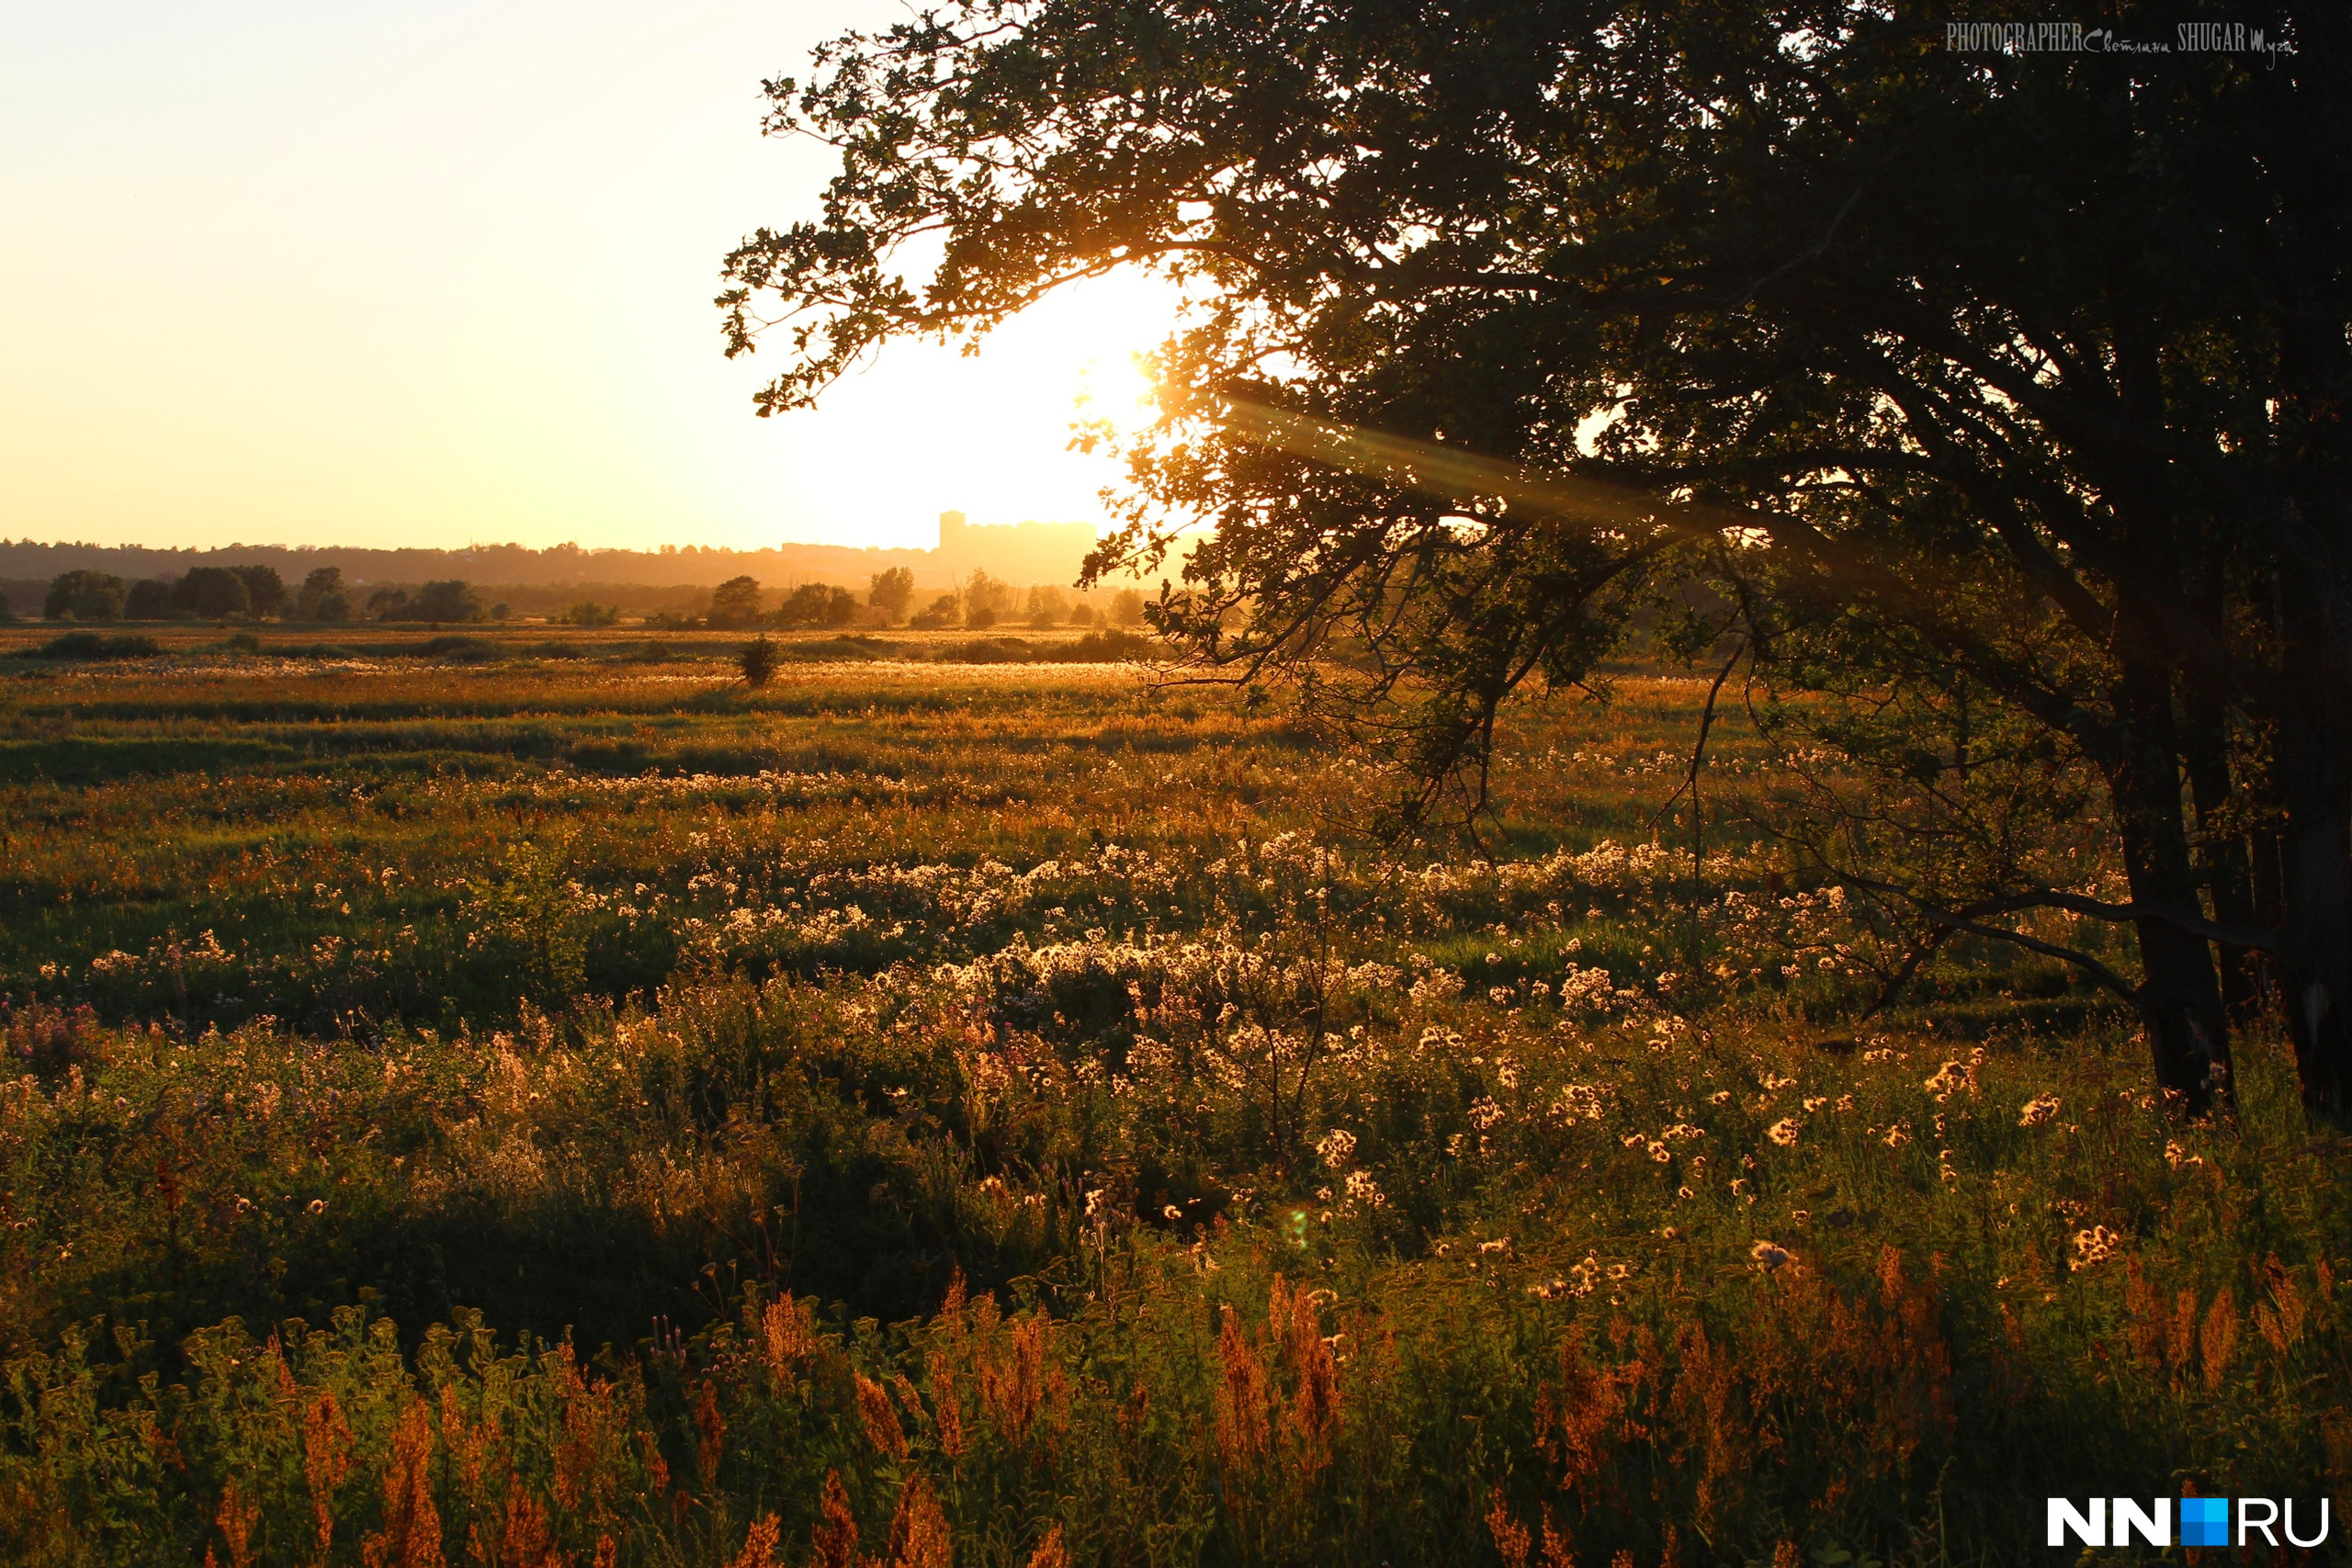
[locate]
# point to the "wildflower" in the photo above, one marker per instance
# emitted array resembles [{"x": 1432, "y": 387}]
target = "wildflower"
[
  {"x": 1783, "y": 1132},
  {"x": 1485, "y": 1112},
  {"x": 1812, "y": 1105},
  {"x": 2094, "y": 1246},
  {"x": 1950, "y": 1078},
  {"x": 1661, "y": 1152},
  {"x": 1363, "y": 1189},
  {"x": 1770, "y": 1254},
  {"x": 1897, "y": 1135},
  {"x": 318, "y": 1206},
  {"x": 1685, "y": 1194},
  {"x": 2039, "y": 1109},
  {"x": 1337, "y": 1148},
  {"x": 879, "y": 1419},
  {"x": 1721, "y": 1097},
  {"x": 2177, "y": 1158}
]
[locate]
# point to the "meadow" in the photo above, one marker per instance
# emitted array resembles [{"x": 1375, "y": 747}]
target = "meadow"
[{"x": 504, "y": 1100}]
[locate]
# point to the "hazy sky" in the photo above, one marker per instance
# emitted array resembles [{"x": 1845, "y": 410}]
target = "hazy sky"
[{"x": 434, "y": 273}]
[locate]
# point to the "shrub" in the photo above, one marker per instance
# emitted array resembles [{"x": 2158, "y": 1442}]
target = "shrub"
[
  {"x": 94, "y": 645},
  {"x": 758, "y": 661}
]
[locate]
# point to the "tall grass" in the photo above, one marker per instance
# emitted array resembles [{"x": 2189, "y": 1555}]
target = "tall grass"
[{"x": 551, "y": 1116}]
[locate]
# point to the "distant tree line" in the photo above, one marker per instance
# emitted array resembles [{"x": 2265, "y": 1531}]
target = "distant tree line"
[
  {"x": 979, "y": 603},
  {"x": 251, "y": 592},
  {"x": 257, "y": 592}
]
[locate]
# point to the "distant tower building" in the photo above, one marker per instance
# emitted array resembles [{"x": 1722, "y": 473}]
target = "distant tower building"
[{"x": 951, "y": 531}]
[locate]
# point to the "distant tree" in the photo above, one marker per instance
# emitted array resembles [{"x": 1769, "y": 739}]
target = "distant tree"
[
  {"x": 500, "y": 611},
  {"x": 1127, "y": 608},
  {"x": 588, "y": 613},
  {"x": 817, "y": 604},
  {"x": 324, "y": 596},
  {"x": 8, "y": 617},
  {"x": 150, "y": 599},
  {"x": 450, "y": 600},
  {"x": 84, "y": 595},
  {"x": 209, "y": 593},
  {"x": 735, "y": 603},
  {"x": 389, "y": 603},
  {"x": 1081, "y": 613},
  {"x": 758, "y": 660},
  {"x": 944, "y": 612},
  {"x": 804, "y": 606},
  {"x": 987, "y": 601},
  {"x": 264, "y": 587},
  {"x": 1048, "y": 606},
  {"x": 891, "y": 591}
]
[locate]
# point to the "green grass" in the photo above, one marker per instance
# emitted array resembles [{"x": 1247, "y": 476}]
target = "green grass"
[{"x": 553, "y": 1108}]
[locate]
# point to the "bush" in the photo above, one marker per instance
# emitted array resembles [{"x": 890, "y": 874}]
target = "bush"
[
  {"x": 941, "y": 614},
  {"x": 456, "y": 650},
  {"x": 92, "y": 645},
  {"x": 1110, "y": 646},
  {"x": 758, "y": 661}
]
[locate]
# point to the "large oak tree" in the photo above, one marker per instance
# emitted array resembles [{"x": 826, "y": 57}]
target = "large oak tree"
[{"x": 2027, "y": 368}]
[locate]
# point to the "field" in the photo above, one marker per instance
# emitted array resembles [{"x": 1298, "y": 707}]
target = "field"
[{"x": 494, "y": 1100}]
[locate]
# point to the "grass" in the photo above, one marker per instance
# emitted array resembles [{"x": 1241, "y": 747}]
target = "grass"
[{"x": 559, "y": 1107}]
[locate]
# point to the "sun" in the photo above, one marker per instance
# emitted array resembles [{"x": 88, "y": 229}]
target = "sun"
[{"x": 995, "y": 432}]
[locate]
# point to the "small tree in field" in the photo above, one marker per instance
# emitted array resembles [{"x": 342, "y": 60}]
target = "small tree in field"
[
  {"x": 324, "y": 596},
  {"x": 735, "y": 603},
  {"x": 758, "y": 661},
  {"x": 84, "y": 595},
  {"x": 210, "y": 593},
  {"x": 447, "y": 601},
  {"x": 891, "y": 591}
]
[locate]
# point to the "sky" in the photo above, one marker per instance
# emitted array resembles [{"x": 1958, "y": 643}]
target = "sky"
[{"x": 434, "y": 273}]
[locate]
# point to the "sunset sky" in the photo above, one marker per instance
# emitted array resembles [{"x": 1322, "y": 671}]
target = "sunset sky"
[{"x": 437, "y": 273}]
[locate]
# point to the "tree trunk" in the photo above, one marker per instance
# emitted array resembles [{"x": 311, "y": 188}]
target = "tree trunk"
[
  {"x": 2180, "y": 1000},
  {"x": 2312, "y": 761},
  {"x": 2220, "y": 838}
]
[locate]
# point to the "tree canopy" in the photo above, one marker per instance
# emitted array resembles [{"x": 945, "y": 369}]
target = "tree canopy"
[{"x": 2012, "y": 383}]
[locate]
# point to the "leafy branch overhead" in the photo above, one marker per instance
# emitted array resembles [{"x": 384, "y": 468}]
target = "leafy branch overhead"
[{"x": 2053, "y": 433}]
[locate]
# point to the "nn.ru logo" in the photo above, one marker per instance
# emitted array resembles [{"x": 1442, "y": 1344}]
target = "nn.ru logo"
[{"x": 2204, "y": 1521}]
